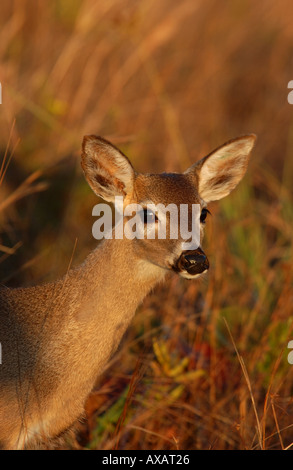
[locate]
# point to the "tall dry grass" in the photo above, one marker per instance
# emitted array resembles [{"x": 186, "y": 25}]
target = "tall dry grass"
[{"x": 204, "y": 365}]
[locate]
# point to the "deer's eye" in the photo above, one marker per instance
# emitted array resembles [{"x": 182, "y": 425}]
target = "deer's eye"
[
  {"x": 149, "y": 217},
  {"x": 203, "y": 215}
]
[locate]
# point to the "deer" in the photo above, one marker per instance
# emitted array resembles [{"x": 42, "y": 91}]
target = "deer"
[{"x": 58, "y": 337}]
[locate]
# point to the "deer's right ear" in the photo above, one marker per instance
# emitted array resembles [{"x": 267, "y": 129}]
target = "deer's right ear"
[
  {"x": 217, "y": 174},
  {"x": 107, "y": 170}
]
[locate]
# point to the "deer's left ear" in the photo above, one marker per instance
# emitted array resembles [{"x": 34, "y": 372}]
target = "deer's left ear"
[
  {"x": 218, "y": 173},
  {"x": 107, "y": 170}
]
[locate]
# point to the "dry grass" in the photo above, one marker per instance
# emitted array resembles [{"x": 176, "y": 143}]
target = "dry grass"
[{"x": 168, "y": 82}]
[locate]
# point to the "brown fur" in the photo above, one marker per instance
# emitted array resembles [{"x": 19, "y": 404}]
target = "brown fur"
[{"x": 57, "y": 338}]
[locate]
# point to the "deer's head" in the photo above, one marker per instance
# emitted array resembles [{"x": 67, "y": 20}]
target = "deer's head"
[{"x": 157, "y": 199}]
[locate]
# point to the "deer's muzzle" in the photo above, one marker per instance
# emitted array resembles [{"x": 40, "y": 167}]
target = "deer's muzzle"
[{"x": 193, "y": 262}]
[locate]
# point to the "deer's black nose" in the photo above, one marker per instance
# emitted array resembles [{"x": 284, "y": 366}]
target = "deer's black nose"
[{"x": 194, "y": 262}]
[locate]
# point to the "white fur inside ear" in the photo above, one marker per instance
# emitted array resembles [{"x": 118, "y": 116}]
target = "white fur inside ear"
[
  {"x": 107, "y": 170},
  {"x": 224, "y": 168},
  {"x": 111, "y": 159}
]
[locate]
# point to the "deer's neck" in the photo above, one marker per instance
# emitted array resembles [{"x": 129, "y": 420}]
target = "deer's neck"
[
  {"x": 110, "y": 284},
  {"x": 114, "y": 280},
  {"x": 72, "y": 328}
]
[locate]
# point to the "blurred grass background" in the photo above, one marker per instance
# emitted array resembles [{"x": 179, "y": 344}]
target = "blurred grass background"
[{"x": 204, "y": 364}]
